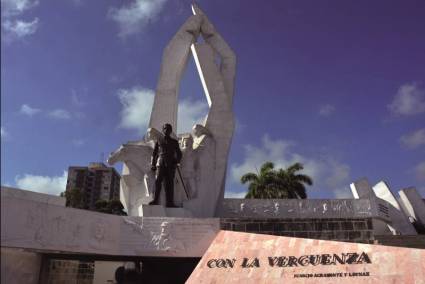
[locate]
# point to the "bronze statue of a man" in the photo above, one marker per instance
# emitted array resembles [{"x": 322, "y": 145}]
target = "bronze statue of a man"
[{"x": 165, "y": 158}]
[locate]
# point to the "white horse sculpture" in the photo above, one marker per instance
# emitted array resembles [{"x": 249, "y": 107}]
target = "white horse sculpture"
[
  {"x": 137, "y": 180},
  {"x": 137, "y": 173}
]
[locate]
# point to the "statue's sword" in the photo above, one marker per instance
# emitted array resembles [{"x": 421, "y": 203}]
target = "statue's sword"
[{"x": 181, "y": 179}]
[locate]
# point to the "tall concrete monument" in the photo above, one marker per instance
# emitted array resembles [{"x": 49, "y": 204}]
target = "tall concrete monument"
[{"x": 206, "y": 149}]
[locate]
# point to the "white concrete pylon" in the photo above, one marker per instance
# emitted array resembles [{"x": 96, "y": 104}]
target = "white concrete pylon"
[
  {"x": 174, "y": 61},
  {"x": 382, "y": 190},
  {"x": 361, "y": 189}
]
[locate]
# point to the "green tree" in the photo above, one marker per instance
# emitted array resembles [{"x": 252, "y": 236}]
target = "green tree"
[
  {"x": 262, "y": 184},
  {"x": 282, "y": 183},
  {"x": 116, "y": 207},
  {"x": 74, "y": 198},
  {"x": 102, "y": 205},
  {"x": 113, "y": 206},
  {"x": 293, "y": 183}
]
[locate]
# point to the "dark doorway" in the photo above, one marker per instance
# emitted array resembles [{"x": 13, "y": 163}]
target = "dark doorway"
[
  {"x": 76, "y": 268},
  {"x": 167, "y": 270}
]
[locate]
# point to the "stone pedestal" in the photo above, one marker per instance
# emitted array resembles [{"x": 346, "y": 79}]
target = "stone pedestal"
[{"x": 161, "y": 211}]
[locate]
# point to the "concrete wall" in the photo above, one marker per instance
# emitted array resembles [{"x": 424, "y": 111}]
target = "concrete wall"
[
  {"x": 413, "y": 204},
  {"x": 19, "y": 266},
  {"x": 371, "y": 207},
  {"x": 42, "y": 226},
  {"x": 32, "y": 195},
  {"x": 300, "y": 209},
  {"x": 352, "y": 230}
]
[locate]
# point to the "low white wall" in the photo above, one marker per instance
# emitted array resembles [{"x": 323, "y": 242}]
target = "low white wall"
[{"x": 42, "y": 226}]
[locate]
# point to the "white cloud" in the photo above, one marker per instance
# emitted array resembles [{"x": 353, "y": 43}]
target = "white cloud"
[
  {"x": 277, "y": 151},
  {"x": 78, "y": 142},
  {"x": 19, "y": 29},
  {"x": 59, "y": 114},
  {"x": 190, "y": 113},
  {"x": 339, "y": 173},
  {"x": 44, "y": 184},
  {"x": 12, "y": 27},
  {"x": 327, "y": 173},
  {"x": 420, "y": 171},
  {"x": 414, "y": 139},
  {"x": 343, "y": 193},
  {"x": 132, "y": 18},
  {"x": 232, "y": 194},
  {"x": 326, "y": 110},
  {"x": 239, "y": 126},
  {"x": 76, "y": 98},
  {"x": 409, "y": 100},
  {"x": 4, "y": 133},
  {"x": 16, "y": 7},
  {"x": 137, "y": 105},
  {"x": 56, "y": 113},
  {"x": 79, "y": 115},
  {"x": 78, "y": 2},
  {"x": 27, "y": 110}
]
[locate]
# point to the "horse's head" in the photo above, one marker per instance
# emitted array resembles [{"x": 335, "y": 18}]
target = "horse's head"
[{"x": 117, "y": 155}]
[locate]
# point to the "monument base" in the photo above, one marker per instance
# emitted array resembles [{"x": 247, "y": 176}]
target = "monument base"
[{"x": 161, "y": 211}]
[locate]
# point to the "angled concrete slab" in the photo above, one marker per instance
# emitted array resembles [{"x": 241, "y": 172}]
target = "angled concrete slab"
[{"x": 235, "y": 257}]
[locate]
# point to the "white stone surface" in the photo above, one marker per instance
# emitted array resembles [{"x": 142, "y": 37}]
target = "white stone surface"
[
  {"x": 400, "y": 221},
  {"x": 19, "y": 266},
  {"x": 361, "y": 189},
  {"x": 31, "y": 195},
  {"x": 397, "y": 222},
  {"x": 382, "y": 190},
  {"x": 161, "y": 211},
  {"x": 413, "y": 204},
  {"x": 137, "y": 180},
  {"x": 204, "y": 166},
  {"x": 104, "y": 271},
  {"x": 41, "y": 226},
  {"x": 174, "y": 61}
]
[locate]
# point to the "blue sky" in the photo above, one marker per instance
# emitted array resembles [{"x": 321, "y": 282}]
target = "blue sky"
[{"x": 336, "y": 85}]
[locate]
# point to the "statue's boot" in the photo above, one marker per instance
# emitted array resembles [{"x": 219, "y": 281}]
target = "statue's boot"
[
  {"x": 155, "y": 200},
  {"x": 169, "y": 194}
]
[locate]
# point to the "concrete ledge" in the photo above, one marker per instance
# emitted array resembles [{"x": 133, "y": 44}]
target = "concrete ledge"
[{"x": 31, "y": 195}]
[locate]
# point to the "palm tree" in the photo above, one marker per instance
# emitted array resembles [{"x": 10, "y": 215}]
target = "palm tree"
[
  {"x": 282, "y": 183},
  {"x": 293, "y": 183},
  {"x": 261, "y": 184}
]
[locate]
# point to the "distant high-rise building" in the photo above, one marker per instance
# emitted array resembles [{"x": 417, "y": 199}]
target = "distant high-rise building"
[{"x": 96, "y": 182}]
